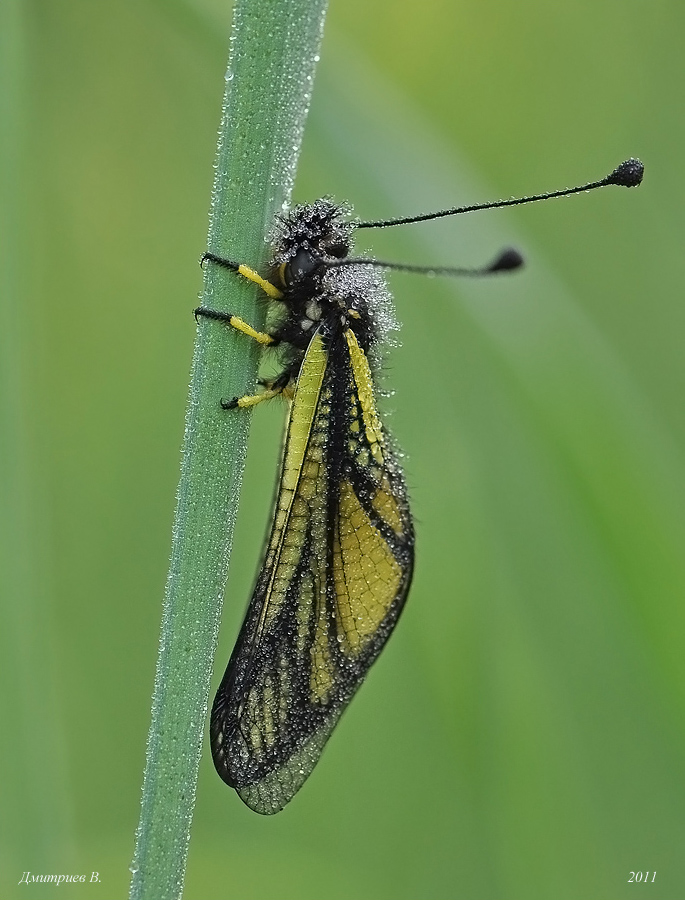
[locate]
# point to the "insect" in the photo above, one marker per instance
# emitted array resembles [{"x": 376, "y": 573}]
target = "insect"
[{"x": 339, "y": 559}]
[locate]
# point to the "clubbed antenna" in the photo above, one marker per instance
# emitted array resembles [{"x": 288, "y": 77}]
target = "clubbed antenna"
[{"x": 628, "y": 174}]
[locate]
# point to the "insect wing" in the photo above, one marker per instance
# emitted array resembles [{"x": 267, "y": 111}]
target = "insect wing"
[{"x": 334, "y": 580}]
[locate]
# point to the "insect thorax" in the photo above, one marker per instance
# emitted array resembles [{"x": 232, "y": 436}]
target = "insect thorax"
[{"x": 319, "y": 293}]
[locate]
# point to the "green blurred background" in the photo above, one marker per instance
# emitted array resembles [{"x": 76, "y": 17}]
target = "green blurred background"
[{"x": 522, "y": 735}]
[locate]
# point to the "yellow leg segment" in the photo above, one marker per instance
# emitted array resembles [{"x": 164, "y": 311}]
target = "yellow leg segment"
[
  {"x": 241, "y": 325},
  {"x": 270, "y": 289},
  {"x": 251, "y": 399}
]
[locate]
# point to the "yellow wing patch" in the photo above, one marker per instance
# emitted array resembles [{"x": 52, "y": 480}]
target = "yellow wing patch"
[
  {"x": 366, "y": 575},
  {"x": 300, "y": 480},
  {"x": 364, "y": 382},
  {"x": 385, "y": 504}
]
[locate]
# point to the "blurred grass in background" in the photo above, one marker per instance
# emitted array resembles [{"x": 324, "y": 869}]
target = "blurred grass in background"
[{"x": 522, "y": 735}]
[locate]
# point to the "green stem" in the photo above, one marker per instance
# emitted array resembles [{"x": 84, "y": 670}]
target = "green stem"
[{"x": 274, "y": 49}]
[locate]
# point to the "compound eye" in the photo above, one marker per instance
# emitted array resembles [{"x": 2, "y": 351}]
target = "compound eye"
[{"x": 300, "y": 267}]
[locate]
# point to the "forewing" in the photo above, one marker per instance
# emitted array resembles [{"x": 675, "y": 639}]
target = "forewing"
[{"x": 336, "y": 574}]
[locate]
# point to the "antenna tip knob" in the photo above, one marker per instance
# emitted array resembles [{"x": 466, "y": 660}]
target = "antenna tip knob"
[
  {"x": 506, "y": 261},
  {"x": 628, "y": 174}
]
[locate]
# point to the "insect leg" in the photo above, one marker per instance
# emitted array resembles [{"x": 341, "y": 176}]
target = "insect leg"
[
  {"x": 251, "y": 399},
  {"x": 236, "y": 322},
  {"x": 284, "y": 384},
  {"x": 269, "y": 289},
  {"x": 272, "y": 388}
]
